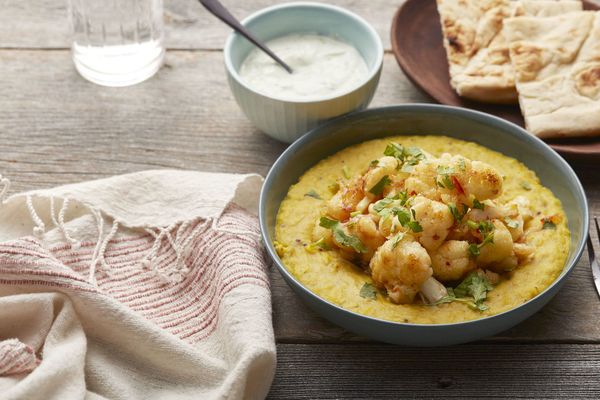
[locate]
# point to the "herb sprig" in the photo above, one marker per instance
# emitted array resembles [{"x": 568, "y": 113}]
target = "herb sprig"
[
  {"x": 341, "y": 236},
  {"x": 472, "y": 291},
  {"x": 408, "y": 156}
]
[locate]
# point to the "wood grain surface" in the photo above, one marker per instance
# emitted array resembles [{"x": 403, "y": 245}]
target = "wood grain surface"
[
  {"x": 57, "y": 128},
  {"x": 459, "y": 372},
  {"x": 43, "y": 23}
]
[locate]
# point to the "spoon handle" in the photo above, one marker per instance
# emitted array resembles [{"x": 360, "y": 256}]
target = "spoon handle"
[{"x": 218, "y": 10}]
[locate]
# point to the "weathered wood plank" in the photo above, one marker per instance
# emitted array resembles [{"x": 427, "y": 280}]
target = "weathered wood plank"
[
  {"x": 184, "y": 117},
  {"x": 474, "y": 371},
  {"x": 63, "y": 129},
  {"x": 44, "y": 24}
]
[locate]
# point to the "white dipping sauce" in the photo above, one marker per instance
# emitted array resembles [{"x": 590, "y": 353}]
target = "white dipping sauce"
[{"x": 323, "y": 67}]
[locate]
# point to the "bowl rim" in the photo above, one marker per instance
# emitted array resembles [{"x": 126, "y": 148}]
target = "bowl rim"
[
  {"x": 465, "y": 113},
  {"x": 373, "y": 71}
]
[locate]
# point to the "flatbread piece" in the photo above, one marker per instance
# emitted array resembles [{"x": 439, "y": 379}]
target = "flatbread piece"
[
  {"x": 478, "y": 56},
  {"x": 557, "y": 68}
]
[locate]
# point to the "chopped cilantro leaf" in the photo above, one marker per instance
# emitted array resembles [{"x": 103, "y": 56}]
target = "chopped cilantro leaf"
[
  {"x": 379, "y": 186},
  {"x": 368, "y": 291},
  {"x": 474, "y": 249},
  {"x": 408, "y": 156},
  {"x": 328, "y": 223},
  {"x": 403, "y": 197},
  {"x": 472, "y": 291},
  {"x": 342, "y": 237},
  {"x": 383, "y": 203},
  {"x": 448, "y": 182},
  {"x": 315, "y": 246},
  {"x": 313, "y": 194},
  {"x": 547, "y": 223},
  {"x": 334, "y": 188},
  {"x": 415, "y": 226},
  {"x": 477, "y": 204},
  {"x": 474, "y": 285},
  {"x": 402, "y": 214},
  {"x": 472, "y": 224},
  {"x": 374, "y": 163},
  {"x": 458, "y": 216}
]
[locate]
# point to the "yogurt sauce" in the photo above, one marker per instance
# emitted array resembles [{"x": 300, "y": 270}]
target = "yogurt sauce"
[{"x": 323, "y": 67}]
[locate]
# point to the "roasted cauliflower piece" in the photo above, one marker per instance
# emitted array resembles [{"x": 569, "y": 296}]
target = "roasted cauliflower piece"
[
  {"x": 452, "y": 261},
  {"x": 435, "y": 220},
  {"x": 401, "y": 267},
  {"x": 344, "y": 202}
]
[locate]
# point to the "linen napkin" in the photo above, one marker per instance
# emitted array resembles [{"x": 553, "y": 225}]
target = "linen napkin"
[{"x": 150, "y": 285}]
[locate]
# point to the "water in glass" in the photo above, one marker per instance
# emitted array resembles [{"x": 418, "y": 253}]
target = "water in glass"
[{"x": 117, "y": 42}]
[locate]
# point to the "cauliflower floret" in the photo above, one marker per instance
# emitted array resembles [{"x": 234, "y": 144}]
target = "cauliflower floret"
[
  {"x": 436, "y": 220},
  {"x": 523, "y": 207},
  {"x": 401, "y": 267},
  {"x": 508, "y": 214},
  {"x": 365, "y": 229},
  {"x": 498, "y": 254},
  {"x": 390, "y": 225},
  {"x": 345, "y": 200},
  {"x": 451, "y": 261},
  {"x": 422, "y": 180},
  {"x": 523, "y": 251},
  {"x": 385, "y": 166},
  {"x": 454, "y": 179},
  {"x": 481, "y": 181}
]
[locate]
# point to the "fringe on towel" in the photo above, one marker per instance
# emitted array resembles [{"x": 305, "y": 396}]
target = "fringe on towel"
[{"x": 173, "y": 234}]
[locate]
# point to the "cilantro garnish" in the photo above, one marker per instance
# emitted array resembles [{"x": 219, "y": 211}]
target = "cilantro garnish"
[
  {"x": 408, "y": 156},
  {"x": 472, "y": 291},
  {"x": 486, "y": 229},
  {"x": 342, "y": 237},
  {"x": 458, "y": 215},
  {"x": 319, "y": 244},
  {"x": 479, "y": 205},
  {"x": 383, "y": 203},
  {"x": 313, "y": 194},
  {"x": 379, "y": 186},
  {"x": 445, "y": 173},
  {"x": 334, "y": 188},
  {"x": 547, "y": 223},
  {"x": 374, "y": 163},
  {"x": 368, "y": 291}
]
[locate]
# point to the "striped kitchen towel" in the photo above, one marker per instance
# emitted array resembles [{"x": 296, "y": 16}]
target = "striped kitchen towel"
[{"x": 149, "y": 285}]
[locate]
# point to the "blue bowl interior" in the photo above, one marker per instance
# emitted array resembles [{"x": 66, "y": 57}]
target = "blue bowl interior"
[
  {"x": 308, "y": 18},
  {"x": 423, "y": 119}
]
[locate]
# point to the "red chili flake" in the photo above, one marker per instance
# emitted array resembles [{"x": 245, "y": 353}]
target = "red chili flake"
[{"x": 458, "y": 186}]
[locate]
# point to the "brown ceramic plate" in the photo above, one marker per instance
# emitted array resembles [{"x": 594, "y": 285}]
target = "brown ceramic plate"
[{"x": 417, "y": 44}]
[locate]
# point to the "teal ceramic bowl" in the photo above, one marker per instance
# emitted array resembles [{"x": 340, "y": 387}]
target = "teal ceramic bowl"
[
  {"x": 286, "y": 119},
  {"x": 425, "y": 119}
]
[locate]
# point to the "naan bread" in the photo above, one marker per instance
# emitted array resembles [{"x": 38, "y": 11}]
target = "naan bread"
[
  {"x": 477, "y": 51},
  {"x": 557, "y": 68}
]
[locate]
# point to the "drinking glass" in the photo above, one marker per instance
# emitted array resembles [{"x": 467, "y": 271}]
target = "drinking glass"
[{"x": 117, "y": 42}]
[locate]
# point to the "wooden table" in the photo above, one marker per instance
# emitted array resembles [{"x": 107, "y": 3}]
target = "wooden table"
[{"x": 57, "y": 128}]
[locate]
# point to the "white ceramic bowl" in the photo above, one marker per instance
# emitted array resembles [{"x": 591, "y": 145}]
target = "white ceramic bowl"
[{"x": 285, "y": 119}]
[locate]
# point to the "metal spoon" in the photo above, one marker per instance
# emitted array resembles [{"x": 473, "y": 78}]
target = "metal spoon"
[{"x": 218, "y": 10}]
